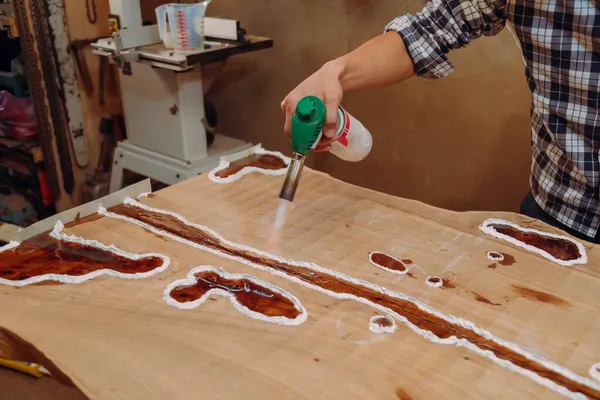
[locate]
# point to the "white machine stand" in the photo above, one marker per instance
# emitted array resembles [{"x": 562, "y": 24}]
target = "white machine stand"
[{"x": 163, "y": 100}]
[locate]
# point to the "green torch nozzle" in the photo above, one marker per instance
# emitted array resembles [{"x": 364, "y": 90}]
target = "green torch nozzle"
[{"x": 307, "y": 124}]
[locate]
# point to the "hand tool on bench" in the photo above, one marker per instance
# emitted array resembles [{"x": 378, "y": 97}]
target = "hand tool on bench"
[{"x": 306, "y": 131}]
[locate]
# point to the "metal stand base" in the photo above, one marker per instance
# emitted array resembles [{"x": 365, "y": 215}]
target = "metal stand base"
[{"x": 166, "y": 169}]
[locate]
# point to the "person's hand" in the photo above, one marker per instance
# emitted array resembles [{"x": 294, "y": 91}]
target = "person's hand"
[{"x": 324, "y": 84}]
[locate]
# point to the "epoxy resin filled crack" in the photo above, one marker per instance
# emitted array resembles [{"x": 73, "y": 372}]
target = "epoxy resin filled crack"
[
  {"x": 248, "y": 294},
  {"x": 422, "y": 319},
  {"x": 70, "y": 259}
]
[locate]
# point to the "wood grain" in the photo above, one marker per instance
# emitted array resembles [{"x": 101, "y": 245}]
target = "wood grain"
[{"x": 118, "y": 339}]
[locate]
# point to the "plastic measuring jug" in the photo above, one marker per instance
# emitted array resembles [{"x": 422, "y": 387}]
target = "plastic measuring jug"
[{"x": 181, "y": 26}]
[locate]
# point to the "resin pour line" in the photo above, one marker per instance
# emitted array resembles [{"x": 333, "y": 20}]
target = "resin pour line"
[
  {"x": 495, "y": 256},
  {"x": 388, "y": 263},
  {"x": 58, "y": 234},
  {"x": 191, "y": 280},
  {"x": 380, "y": 327},
  {"x": 424, "y": 320},
  {"x": 488, "y": 227},
  {"x": 434, "y": 281},
  {"x": 212, "y": 175}
]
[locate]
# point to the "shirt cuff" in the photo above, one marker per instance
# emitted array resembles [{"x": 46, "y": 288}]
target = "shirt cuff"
[{"x": 429, "y": 59}]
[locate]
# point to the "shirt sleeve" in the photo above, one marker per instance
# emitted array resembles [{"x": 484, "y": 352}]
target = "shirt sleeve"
[{"x": 445, "y": 25}]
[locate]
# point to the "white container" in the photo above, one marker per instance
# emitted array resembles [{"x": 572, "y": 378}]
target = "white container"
[
  {"x": 354, "y": 141},
  {"x": 181, "y": 26}
]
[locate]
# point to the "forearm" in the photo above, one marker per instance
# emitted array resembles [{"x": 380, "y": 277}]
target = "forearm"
[
  {"x": 382, "y": 61},
  {"x": 444, "y": 25}
]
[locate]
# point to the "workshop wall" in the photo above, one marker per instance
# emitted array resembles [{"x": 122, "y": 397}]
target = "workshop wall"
[
  {"x": 82, "y": 31},
  {"x": 459, "y": 143}
]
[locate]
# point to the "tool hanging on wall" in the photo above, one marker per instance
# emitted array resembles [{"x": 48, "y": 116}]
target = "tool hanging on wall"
[
  {"x": 38, "y": 94},
  {"x": 90, "y": 8},
  {"x": 76, "y": 49},
  {"x": 101, "y": 73},
  {"x": 64, "y": 61},
  {"x": 41, "y": 29},
  {"x": 82, "y": 67}
]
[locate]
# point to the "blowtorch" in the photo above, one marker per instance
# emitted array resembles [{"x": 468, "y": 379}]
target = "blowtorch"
[{"x": 306, "y": 131}]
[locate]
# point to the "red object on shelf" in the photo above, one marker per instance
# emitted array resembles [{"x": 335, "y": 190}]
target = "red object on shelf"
[
  {"x": 20, "y": 132},
  {"x": 17, "y": 116},
  {"x": 45, "y": 189},
  {"x": 15, "y": 110}
]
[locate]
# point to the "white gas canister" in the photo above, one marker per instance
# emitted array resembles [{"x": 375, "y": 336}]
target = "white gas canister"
[{"x": 354, "y": 142}]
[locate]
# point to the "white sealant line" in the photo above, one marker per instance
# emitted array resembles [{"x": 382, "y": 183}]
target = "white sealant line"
[
  {"x": 58, "y": 234},
  {"x": 376, "y": 328},
  {"x": 453, "y": 340},
  {"x": 595, "y": 371},
  {"x": 393, "y": 271},
  {"x": 191, "y": 280},
  {"x": 495, "y": 256},
  {"x": 212, "y": 175},
  {"x": 10, "y": 245},
  {"x": 486, "y": 227},
  {"x": 438, "y": 283}
]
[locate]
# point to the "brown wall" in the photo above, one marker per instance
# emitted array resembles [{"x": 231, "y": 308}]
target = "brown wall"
[
  {"x": 460, "y": 143},
  {"x": 80, "y": 30}
]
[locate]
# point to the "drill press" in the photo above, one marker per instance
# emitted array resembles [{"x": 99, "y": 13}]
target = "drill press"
[{"x": 307, "y": 125}]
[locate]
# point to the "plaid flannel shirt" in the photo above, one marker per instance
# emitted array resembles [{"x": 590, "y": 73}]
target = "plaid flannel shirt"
[{"x": 560, "y": 41}]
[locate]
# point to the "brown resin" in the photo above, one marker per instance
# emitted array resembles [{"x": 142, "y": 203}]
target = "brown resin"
[
  {"x": 44, "y": 283},
  {"x": 448, "y": 284},
  {"x": 43, "y": 255},
  {"x": 433, "y": 279},
  {"x": 561, "y": 249},
  {"x": 401, "y": 394},
  {"x": 80, "y": 221},
  {"x": 161, "y": 237},
  {"x": 422, "y": 319},
  {"x": 407, "y": 261},
  {"x": 255, "y": 297},
  {"x": 383, "y": 321},
  {"x": 410, "y": 274},
  {"x": 485, "y": 300},
  {"x": 264, "y": 161},
  {"x": 542, "y": 297},
  {"x": 383, "y": 260},
  {"x": 508, "y": 260}
]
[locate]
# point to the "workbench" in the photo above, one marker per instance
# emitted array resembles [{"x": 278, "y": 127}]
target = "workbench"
[{"x": 120, "y": 339}]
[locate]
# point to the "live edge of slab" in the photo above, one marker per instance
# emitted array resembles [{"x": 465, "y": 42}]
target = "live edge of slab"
[{"x": 118, "y": 339}]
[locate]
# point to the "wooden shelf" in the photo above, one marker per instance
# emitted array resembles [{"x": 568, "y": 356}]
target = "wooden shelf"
[
  {"x": 32, "y": 148},
  {"x": 9, "y": 24}
]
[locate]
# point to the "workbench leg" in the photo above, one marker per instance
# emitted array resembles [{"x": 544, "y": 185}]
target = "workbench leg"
[{"x": 116, "y": 176}]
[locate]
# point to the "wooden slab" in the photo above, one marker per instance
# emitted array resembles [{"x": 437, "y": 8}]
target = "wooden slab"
[{"x": 118, "y": 339}]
